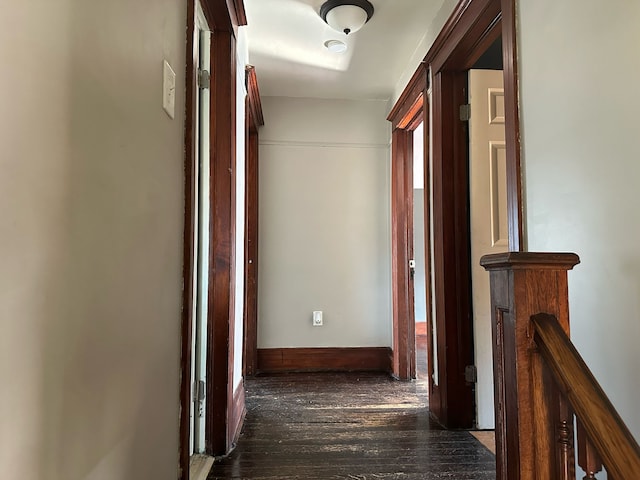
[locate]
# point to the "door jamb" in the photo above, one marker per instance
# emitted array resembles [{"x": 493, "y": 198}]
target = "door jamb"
[
  {"x": 471, "y": 28},
  {"x": 407, "y": 114},
  {"x": 224, "y": 19},
  {"x": 188, "y": 265},
  {"x": 255, "y": 120}
]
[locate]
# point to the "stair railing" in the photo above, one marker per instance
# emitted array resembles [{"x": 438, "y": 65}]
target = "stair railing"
[{"x": 541, "y": 381}]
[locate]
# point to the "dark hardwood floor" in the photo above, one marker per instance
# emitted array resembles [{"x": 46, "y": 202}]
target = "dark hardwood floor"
[{"x": 356, "y": 426}]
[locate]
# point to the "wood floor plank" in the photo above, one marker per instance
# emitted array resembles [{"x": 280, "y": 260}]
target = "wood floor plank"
[{"x": 355, "y": 426}]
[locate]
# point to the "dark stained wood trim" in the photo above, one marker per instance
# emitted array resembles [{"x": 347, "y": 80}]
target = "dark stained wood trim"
[
  {"x": 223, "y": 20},
  {"x": 473, "y": 25},
  {"x": 515, "y": 204},
  {"x": 217, "y": 14},
  {"x": 225, "y": 16},
  {"x": 233, "y": 254},
  {"x": 471, "y": 28},
  {"x": 237, "y": 12},
  {"x": 324, "y": 359},
  {"x": 188, "y": 254},
  {"x": 254, "y": 120},
  {"x": 601, "y": 424},
  {"x": 458, "y": 307},
  {"x": 406, "y": 107},
  {"x": 251, "y": 255},
  {"x": 403, "y": 324},
  {"x": 489, "y": 35},
  {"x": 409, "y": 111},
  {"x": 238, "y": 413},
  {"x": 221, "y": 253},
  {"x": 454, "y": 398},
  {"x": 419, "y": 112},
  {"x": 522, "y": 285},
  {"x": 255, "y": 103},
  {"x": 443, "y": 40},
  {"x": 524, "y": 260},
  {"x": 465, "y": 36}
]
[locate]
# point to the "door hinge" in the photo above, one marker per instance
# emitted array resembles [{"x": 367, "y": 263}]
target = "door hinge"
[
  {"x": 470, "y": 374},
  {"x": 465, "y": 113},
  {"x": 198, "y": 390},
  {"x": 204, "y": 79}
]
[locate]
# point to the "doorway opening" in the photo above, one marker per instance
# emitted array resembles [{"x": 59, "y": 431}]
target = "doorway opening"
[
  {"x": 408, "y": 114},
  {"x": 207, "y": 348},
  {"x": 468, "y": 36},
  {"x": 421, "y": 307},
  {"x": 487, "y": 210}
]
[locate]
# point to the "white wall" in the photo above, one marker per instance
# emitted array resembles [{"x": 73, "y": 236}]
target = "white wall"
[
  {"x": 431, "y": 32},
  {"x": 579, "y": 72},
  {"x": 91, "y": 222},
  {"x": 324, "y": 223}
]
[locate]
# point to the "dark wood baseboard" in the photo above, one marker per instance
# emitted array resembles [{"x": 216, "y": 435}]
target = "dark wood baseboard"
[
  {"x": 324, "y": 359},
  {"x": 237, "y": 414}
]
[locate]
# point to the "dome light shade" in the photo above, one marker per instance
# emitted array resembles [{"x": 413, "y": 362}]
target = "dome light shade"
[{"x": 346, "y": 16}]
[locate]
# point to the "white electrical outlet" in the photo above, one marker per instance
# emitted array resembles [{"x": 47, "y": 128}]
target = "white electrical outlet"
[
  {"x": 169, "y": 89},
  {"x": 317, "y": 318}
]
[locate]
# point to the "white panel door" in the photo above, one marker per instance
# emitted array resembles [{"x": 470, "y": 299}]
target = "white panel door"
[{"x": 488, "y": 211}]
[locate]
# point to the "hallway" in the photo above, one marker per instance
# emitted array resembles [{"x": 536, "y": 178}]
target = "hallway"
[{"x": 347, "y": 425}]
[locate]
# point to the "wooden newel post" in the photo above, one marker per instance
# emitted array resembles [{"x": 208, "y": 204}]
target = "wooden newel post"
[{"x": 526, "y": 402}]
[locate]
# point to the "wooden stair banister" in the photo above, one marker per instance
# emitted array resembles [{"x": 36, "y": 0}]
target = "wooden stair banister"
[
  {"x": 541, "y": 381},
  {"x": 523, "y": 284},
  {"x": 604, "y": 428}
]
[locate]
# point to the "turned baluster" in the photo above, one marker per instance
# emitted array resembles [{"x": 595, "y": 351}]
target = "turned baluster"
[
  {"x": 588, "y": 458},
  {"x": 566, "y": 455}
]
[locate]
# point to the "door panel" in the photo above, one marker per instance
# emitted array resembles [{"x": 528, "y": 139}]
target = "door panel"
[{"x": 488, "y": 212}]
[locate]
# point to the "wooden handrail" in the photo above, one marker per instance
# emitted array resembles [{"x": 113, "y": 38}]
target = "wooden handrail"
[
  {"x": 541, "y": 382},
  {"x": 607, "y": 432}
]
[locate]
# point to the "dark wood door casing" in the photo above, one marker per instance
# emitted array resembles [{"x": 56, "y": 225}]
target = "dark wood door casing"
[
  {"x": 402, "y": 315},
  {"x": 251, "y": 257},
  {"x": 407, "y": 115},
  {"x": 188, "y": 263},
  {"x": 224, "y": 19},
  {"x": 451, "y": 252},
  {"x": 471, "y": 28},
  {"x": 221, "y": 251},
  {"x": 255, "y": 120}
]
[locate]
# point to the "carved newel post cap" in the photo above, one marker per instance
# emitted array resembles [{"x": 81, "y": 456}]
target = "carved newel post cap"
[{"x": 530, "y": 260}]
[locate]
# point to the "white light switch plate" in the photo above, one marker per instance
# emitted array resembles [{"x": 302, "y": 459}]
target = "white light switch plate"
[{"x": 169, "y": 90}]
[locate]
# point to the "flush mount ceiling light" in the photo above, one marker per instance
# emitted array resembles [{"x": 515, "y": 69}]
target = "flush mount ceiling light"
[
  {"x": 346, "y": 16},
  {"x": 335, "y": 46}
]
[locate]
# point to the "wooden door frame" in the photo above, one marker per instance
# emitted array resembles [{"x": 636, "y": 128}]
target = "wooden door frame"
[
  {"x": 224, "y": 19},
  {"x": 255, "y": 120},
  {"x": 409, "y": 111},
  {"x": 470, "y": 30}
]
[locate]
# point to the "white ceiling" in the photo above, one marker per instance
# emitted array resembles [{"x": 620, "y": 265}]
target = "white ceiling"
[{"x": 286, "y": 45}]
